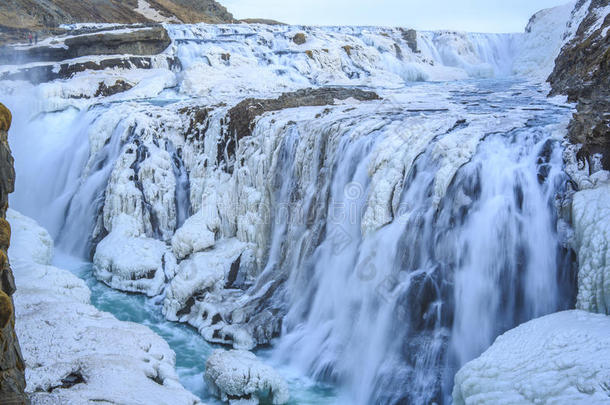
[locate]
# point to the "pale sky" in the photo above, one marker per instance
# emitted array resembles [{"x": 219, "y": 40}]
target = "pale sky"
[{"x": 463, "y": 15}]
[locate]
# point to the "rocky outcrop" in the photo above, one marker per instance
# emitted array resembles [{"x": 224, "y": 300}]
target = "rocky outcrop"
[
  {"x": 242, "y": 116},
  {"x": 119, "y": 86},
  {"x": 12, "y": 374},
  {"x": 410, "y": 37},
  {"x": 143, "y": 41},
  {"x": 18, "y": 17},
  {"x": 582, "y": 71}
]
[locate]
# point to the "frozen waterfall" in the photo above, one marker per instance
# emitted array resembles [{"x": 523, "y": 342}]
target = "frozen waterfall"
[{"x": 376, "y": 245}]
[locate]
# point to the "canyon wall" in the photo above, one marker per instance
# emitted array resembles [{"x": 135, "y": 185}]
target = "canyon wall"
[
  {"x": 12, "y": 375},
  {"x": 582, "y": 71}
]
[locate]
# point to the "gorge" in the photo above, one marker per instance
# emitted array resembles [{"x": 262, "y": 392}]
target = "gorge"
[{"x": 366, "y": 209}]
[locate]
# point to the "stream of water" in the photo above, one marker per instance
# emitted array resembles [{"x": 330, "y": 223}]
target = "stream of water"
[{"x": 190, "y": 347}]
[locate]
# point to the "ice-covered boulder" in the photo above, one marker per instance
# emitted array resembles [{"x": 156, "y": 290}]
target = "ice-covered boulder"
[
  {"x": 129, "y": 262},
  {"x": 197, "y": 234},
  {"x": 557, "y": 359},
  {"x": 591, "y": 221},
  {"x": 200, "y": 294},
  {"x": 238, "y": 377},
  {"x": 74, "y": 353}
]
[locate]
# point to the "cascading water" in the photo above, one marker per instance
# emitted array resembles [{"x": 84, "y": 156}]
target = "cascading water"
[
  {"x": 392, "y": 314},
  {"x": 405, "y": 234}
]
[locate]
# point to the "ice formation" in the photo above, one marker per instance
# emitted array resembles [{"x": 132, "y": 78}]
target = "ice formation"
[
  {"x": 591, "y": 220},
  {"x": 557, "y": 359},
  {"x": 74, "y": 353},
  {"x": 238, "y": 377},
  {"x": 547, "y": 32}
]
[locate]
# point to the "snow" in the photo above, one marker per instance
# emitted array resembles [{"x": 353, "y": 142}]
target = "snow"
[
  {"x": 557, "y": 359},
  {"x": 545, "y": 35},
  {"x": 238, "y": 377},
  {"x": 61, "y": 335},
  {"x": 198, "y": 232},
  {"x": 147, "y": 11},
  {"x": 591, "y": 221},
  {"x": 129, "y": 262}
]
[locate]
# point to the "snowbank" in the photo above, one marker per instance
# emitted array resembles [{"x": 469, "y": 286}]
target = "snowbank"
[
  {"x": 591, "y": 221},
  {"x": 557, "y": 359},
  {"x": 238, "y": 377},
  {"x": 74, "y": 353}
]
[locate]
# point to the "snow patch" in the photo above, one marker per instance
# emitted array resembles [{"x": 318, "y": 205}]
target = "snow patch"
[
  {"x": 560, "y": 358},
  {"x": 152, "y": 14}
]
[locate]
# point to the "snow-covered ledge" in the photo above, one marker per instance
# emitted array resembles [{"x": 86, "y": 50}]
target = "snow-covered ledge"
[
  {"x": 557, "y": 359},
  {"x": 74, "y": 353}
]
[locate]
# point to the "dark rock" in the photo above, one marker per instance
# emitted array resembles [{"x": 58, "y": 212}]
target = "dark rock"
[
  {"x": 582, "y": 72},
  {"x": 69, "y": 381},
  {"x": 299, "y": 38},
  {"x": 242, "y": 116},
  {"x": 118, "y": 87},
  {"x": 410, "y": 37}
]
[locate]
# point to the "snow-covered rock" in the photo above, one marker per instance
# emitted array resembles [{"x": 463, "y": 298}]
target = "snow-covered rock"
[
  {"x": 127, "y": 261},
  {"x": 197, "y": 234},
  {"x": 557, "y": 359},
  {"x": 74, "y": 353},
  {"x": 591, "y": 221},
  {"x": 238, "y": 377},
  {"x": 200, "y": 293}
]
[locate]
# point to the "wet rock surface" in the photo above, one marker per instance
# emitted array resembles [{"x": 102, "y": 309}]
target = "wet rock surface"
[
  {"x": 12, "y": 367},
  {"x": 582, "y": 72}
]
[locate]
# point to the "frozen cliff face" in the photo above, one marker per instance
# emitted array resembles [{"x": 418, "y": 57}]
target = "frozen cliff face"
[
  {"x": 73, "y": 352},
  {"x": 12, "y": 379},
  {"x": 560, "y": 358},
  {"x": 582, "y": 72}
]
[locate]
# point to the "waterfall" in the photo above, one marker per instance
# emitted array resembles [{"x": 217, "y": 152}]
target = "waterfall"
[
  {"x": 380, "y": 245},
  {"x": 392, "y": 314}
]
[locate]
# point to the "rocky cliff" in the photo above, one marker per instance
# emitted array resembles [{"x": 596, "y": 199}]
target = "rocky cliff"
[
  {"x": 582, "y": 71},
  {"x": 18, "y": 17},
  {"x": 12, "y": 376}
]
